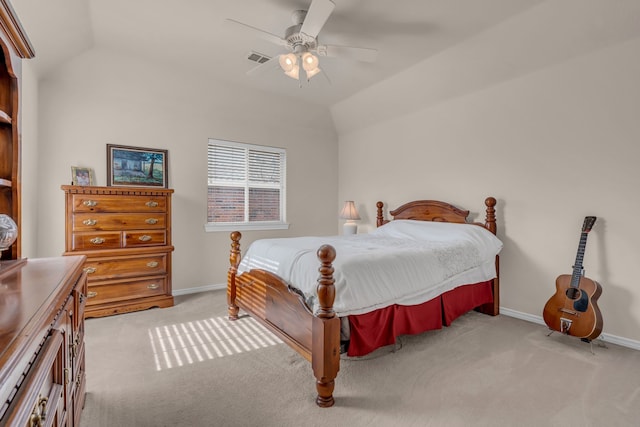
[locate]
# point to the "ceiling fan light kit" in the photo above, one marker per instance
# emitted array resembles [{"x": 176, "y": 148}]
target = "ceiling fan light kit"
[
  {"x": 288, "y": 62},
  {"x": 291, "y": 67},
  {"x": 301, "y": 39},
  {"x": 309, "y": 61}
]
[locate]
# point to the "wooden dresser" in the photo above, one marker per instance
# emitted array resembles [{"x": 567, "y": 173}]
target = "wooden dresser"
[
  {"x": 42, "y": 358},
  {"x": 125, "y": 232}
]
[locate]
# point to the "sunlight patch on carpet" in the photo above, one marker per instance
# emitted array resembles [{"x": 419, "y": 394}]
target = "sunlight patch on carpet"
[{"x": 196, "y": 341}]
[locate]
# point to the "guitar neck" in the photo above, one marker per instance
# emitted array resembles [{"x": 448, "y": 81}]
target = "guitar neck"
[{"x": 577, "y": 266}]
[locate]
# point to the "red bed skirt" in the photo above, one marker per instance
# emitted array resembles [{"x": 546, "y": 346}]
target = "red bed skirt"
[{"x": 378, "y": 328}]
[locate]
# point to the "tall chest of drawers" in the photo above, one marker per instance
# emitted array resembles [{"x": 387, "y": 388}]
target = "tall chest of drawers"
[{"x": 125, "y": 232}]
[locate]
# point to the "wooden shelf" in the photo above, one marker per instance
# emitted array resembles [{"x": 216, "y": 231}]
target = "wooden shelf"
[{"x": 14, "y": 46}]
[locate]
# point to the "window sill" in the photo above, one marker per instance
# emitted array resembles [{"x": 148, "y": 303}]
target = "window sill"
[{"x": 211, "y": 227}]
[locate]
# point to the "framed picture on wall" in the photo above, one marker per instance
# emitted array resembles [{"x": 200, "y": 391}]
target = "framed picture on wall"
[
  {"x": 136, "y": 166},
  {"x": 82, "y": 176}
]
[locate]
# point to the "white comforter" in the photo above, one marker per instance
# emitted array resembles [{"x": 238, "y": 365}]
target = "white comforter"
[{"x": 403, "y": 262}]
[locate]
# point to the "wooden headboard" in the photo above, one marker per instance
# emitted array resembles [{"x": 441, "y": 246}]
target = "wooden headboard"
[{"x": 434, "y": 210}]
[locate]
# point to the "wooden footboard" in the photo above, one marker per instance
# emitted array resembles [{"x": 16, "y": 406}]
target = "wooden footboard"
[{"x": 268, "y": 299}]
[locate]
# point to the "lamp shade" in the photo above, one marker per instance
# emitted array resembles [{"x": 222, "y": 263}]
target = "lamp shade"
[
  {"x": 288, "y": 62},
  {"x": 309, "y": 61},
  {"x": 294, "y": 73},
  {"x": 349, "y": 211},
  {"x": 311, "y": 73},
  {"x": 310, "y": 64}
]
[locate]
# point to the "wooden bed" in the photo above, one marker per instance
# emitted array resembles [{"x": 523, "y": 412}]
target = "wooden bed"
[{"x": 271, "y": 301}]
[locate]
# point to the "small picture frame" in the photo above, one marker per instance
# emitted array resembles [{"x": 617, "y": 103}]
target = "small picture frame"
[
  {"x": 82, "y": 176},
  {"x": 136, "y": 166}
]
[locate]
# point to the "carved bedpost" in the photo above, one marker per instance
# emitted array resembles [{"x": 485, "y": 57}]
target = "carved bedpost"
[
  {"x": 325, "y": 357},
  {"x": 492, "y": 309},
  {"x": 490, "y": 220},
  {"x": 234, "y": 261},
  {"x": 326, "y": 289},
  {"x": 380, "y": 216}
]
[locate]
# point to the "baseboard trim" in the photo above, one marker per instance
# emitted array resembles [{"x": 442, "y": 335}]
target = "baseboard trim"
[
  {"x": 613, "y": 339},
  {"x": 178, "y": 292}
]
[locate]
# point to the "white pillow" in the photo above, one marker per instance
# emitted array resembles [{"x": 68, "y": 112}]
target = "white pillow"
[{"x": 439, "y": 231}]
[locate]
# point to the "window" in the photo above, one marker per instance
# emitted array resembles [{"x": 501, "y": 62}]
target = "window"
[{"x": 246, "y": 187}]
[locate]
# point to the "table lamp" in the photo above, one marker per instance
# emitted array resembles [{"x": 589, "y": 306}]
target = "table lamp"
[{"x": 350, "y": 213}]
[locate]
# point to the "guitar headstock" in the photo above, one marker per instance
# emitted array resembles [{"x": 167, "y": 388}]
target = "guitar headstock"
[{"x": 588, "y": 223}]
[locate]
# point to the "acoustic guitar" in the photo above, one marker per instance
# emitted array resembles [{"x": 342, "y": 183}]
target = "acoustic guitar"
[{"x": 573, "y": 309}]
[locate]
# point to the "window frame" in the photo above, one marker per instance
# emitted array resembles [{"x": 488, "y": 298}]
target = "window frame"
[{"x": 247, "y": 225}]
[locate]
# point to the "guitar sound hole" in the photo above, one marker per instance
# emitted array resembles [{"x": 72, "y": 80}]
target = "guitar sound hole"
[{"x": 573, "y": 293}]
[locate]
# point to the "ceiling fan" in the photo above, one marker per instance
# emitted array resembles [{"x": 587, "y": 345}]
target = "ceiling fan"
[{"x": 301, "y": 42}]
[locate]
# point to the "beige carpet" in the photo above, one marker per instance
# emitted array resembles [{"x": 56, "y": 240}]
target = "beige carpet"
[{"x": 187, "y": 366}]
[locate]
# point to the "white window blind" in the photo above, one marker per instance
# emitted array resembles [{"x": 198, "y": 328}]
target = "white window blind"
[{"x": 246, "y": 186}]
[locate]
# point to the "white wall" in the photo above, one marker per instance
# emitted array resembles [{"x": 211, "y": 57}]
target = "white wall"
[
  {"x": 29, "y": 163},
  {"x": 541, "y": 113},
  {"x": 102, "y": 97}
]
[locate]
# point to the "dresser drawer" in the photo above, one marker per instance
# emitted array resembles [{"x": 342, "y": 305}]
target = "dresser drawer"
[
  {"x": 121, "y": 267},
  {"x": 125, "y": 290},
  {"x": 83, "y": 241},
  {"x": 42, "y": 393},
  {"x": 135, "y": 238},
  {"x": 114, "y": 203},
  {"x": 118, "y": 221}
]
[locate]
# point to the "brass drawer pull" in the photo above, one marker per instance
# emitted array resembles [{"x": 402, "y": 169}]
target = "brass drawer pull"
[
  {"x": 89, "y": 270},
  {"x": 151, "y": 204},
  {"x": 97, "y": 240},
  {"x": 153, "y": 286},
  {"x": 145, "y": 238},
  {"x": 90, "y": 222},
  {"x": 151, "y": 221},
  {"x": 92, "y": 294},
  {"x": 73, "y": 349},
  {"x": 152, "y": 264},
  {"x": 39, "y": 412},
  {"x": 90, "y": 203}
]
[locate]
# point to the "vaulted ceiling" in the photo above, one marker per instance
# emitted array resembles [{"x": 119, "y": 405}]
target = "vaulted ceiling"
[{"x": 194, "y": 34}]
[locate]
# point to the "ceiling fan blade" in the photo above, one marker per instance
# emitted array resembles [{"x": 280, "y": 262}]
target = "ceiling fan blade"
[
  {"x": 326, "y": 76},
  {"x": 317, "y": 15},
  {"x": 262, "y": 33},
  {"x": 259, "y": 69},
  {"x": 363, "y": 54}
]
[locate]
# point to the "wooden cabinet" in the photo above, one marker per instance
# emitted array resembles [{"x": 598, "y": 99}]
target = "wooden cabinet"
[
  {"x": 42, "y": 358},
  {"x": 14, "y": 46},
  {"x": 125, "y": 232}
]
